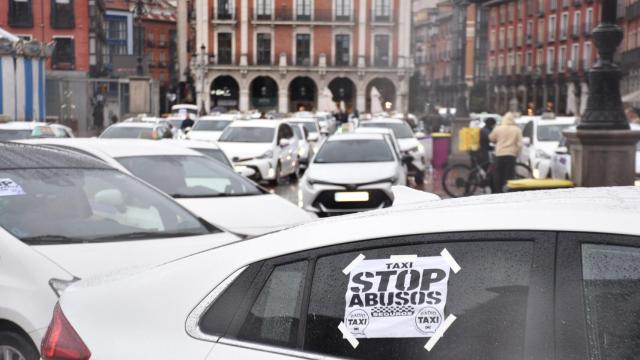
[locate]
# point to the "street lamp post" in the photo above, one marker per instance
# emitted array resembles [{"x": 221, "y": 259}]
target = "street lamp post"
[
  {"x": 139, "y": 11},
  {"x": 199, "y": 65},
  {"x": 603, "y": 149}
]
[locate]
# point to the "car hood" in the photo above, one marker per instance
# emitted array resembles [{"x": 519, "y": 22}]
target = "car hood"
[
  {"x": 352, "y": 173},
  {"x": 244, "y": 150},
  {"x": 204, "y": 135},
  {"x": 408, "y": 144},
  {"x": 86, "y": 260},
  {"x": 248, "y": 215}
]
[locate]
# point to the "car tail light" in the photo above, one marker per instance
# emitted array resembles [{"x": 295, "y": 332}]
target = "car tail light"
[{"x": 61, "y": 342}]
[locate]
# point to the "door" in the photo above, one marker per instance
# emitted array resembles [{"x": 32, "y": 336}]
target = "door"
[
  {"x": 502, "y": 299},
  {"x": 598, "y": 297}
]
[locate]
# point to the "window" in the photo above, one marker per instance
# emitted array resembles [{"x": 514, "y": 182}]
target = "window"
[
  {"x": 529, "y": 60},
  {"x": 263, "y": 9},
  {"x": 575, "y": 56},
  {"x": 473, "y": 294},
  {"x": 21, "y": 13},
  {"x": 492, "y": 41},
  {"x": 540, "y": 31},
  {"x": 274, "y": 317},
  {"x": 63, "y": 57},
  {"x": 510, "y": 37},
  {"x": 520, "y": 9},
  {"x": 553, "y": 5},
  {"x": 539, "y": 60},
  {"x": 303, "y": 9},
  {"x": 562, "y": 58},
  {"x": 588, "y": 21},
  {"x": 225, "y": 48},
  {"x": 612, "y": 307},
  {"x": 564, "y": 24},
  {"x": 224, "y": 10},
  {"x": 518, "y": 62},
  {"x": 502, "y": 38},
  {"x": 382, "y": 10},
  {"x": 117, "y": 38},
  {"x": 150, "y": 40},
  {"x": 342, "y": 57},
  {"x": 343, "y": 10},
  {"x": 381, "y": 50},
  {"x": 519, "y": 36},
  {"x": 552, "y": 28},
  {"x": 529, "y": 31},
  {"x": 62, "y": 14},
  {"x": 163, "y": 59},
  {"x": 303, "y": 49},
  {"x": 162, "y": 40},
  {"x": 576, "y": 23},
  {"x": 551, "y": 56},
  {"x": 264, "y": 49},
  {"x": 586, "y": 55}
]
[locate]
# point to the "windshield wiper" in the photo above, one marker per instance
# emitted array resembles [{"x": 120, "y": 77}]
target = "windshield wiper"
[
  {"x": 52, "y": 240},
  {"x": 145, "y": 235}
]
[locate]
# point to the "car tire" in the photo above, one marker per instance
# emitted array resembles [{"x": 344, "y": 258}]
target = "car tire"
[
  {"x": 278, "y": 175},
  {"x": 18, "y": 346}
]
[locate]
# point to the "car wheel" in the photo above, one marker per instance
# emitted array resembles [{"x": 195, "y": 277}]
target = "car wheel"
[
  {"x": 277, "y": 180},
  {"x": 15, "y": 347}
]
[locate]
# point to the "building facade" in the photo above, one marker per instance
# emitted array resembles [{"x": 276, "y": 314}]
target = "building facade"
[
  {"x": 281, "y": 56},
  {"x": 631, "y": 51},
  {"x": 76, "y": 29},
  {"x": 540, "y": 52}
]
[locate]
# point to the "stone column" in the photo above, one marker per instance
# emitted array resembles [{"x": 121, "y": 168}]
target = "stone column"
[
  {"x": 244, "y": 99},
  {"x": 361, "y": 101},
  {"x": 183, "y": 27},
  {"x": 283, "y": 101},
  {"x": 244, "y": 32},
  {"x": 603, "y": 149}
]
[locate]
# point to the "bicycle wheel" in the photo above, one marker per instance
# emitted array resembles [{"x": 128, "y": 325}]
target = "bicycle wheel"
[
  {"x": 522, "y": 171},
  {"x": 457, "y": 181}
]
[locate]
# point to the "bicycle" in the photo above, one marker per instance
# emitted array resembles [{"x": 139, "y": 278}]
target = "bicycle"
[{"x": 461, "y": 180}]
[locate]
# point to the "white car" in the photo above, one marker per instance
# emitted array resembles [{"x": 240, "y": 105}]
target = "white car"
[
  {"x": 185, "y": 111},
  {"x": 305, "y": 148},
  {"x": 269, "y": 147},
  {"x": 411, "y": 283},
  {"x": 409, "y": 144},
  {"x": 202, "y": 185},
  {"x": 137, "y": 130},
  {"x": 541, "y": 137},
  {"x": 478, "y": 119},
  {"x": 315, "y": 136},
  {"x": 64, "y": 217},
  {"x": 352, "y": 172},
  {"x": 17, "y": 130},
  {"x": 210, "y": 127}
]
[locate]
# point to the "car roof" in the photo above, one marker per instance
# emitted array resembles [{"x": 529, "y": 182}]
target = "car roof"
[
  {"x": 136, "y": 124},
  {"x": 355, "y": 136},
  {"x": 374, "y": 130},
  {"x": 192, "y": 144},
  {"x": 385, "y": 120},
  {"x": 26, "y": 156},
  {"x": 301, "y": 119},
  {"x": 116, "y": 148},
  {"x": 184, "y": 106},
  {"x": 256, "y": 123},
  {"x": 219, "y": 117},
  {"x": 21, "y": 125}
]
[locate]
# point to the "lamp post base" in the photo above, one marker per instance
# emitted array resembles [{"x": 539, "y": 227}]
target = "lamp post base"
[{"x": 603, "y": 157}]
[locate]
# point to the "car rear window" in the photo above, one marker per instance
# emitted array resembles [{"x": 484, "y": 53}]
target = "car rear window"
[{"x": 354, "y": 151}]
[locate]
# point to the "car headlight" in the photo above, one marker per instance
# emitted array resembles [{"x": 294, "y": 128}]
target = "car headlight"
[
  {"x": 542, "y": 155},
  {"x": 266, "y": 155},
  {"x": 420, "y": 148}
]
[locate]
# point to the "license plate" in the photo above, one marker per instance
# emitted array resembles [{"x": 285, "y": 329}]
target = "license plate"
[{"x": 356, "y": 196}]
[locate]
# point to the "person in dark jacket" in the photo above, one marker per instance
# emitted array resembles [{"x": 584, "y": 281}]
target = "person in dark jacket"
[
  {"x": 187, "y": 123},
  {"x": 484, "y": 152}
]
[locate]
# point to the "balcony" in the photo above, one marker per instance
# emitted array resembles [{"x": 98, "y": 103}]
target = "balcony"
[
  {"x": 223, "y": 14},
  {"x": 286, "y": 14}
]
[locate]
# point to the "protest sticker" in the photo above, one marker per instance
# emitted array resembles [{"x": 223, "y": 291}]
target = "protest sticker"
[
  {"x": 397, "y": 297},
  {"x": 9, "y": 188}
]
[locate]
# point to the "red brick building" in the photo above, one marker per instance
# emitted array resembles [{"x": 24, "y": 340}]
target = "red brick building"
[
  {"x": 281, "y": 55},
  {"x": 539, "y": 53},
  {"x": 630, "y": 10}
]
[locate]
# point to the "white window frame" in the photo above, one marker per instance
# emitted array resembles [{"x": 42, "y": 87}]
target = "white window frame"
[
  {"x": 564, "y": 25},
  {"x": 562, "y": 58},
  {"x": 302, "y": 31},
  {"x": 263, "y": 30},
  {"x": 588, "y": 21},
  {"x": 551, "y": 28},
  {"x": 373, "y": 10},
  {"x": 586, "y": 55},
  {"x": 335, "y": 9},
  {"x": 311, "y": 8},
  {"x": 233, "y": 43},
  {"x": 257, "y": 6},
  {"x": 333, "y": 46},
  {"x": 551, "y": 54},
  {"x": 577, "y": 22}
]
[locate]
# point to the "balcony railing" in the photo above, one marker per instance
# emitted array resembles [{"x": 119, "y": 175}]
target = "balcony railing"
[
  {"x": 382, "y": 14},
  {"x": 223, "y": 13},
  {"x": 285, "y": 13}
]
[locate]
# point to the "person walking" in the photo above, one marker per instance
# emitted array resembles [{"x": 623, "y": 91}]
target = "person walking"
[
  {"x": 508, "y": 139},
  {"x": 484, "y": 151}
]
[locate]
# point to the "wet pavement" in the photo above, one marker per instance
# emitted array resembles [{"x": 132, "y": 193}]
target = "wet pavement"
[{"x": 432, "y": 183}]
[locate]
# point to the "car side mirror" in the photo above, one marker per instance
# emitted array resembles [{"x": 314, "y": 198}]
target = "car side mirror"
[{"x": 284, "y": 142}]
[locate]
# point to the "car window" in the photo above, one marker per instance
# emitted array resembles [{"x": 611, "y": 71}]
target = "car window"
[
  {"x": 488, "y": 297},
  {"x": 551, "y": 132},
  {"x": 211, "y": 125},
  {"x": 248, "y": 134},
  {"x": 612, "y": 300},
  {"x": 400, "y": 130},
  {"x": 354, "y": 151},
  {"x": 50, "y": 206},
  {"x": 189, "y": 176},
  {"x": 275, "y": 316}
]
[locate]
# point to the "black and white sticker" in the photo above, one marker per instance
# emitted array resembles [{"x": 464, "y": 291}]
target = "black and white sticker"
[
  {"x": 9, "y": 188},
  {"x": 400, "y": 297}
]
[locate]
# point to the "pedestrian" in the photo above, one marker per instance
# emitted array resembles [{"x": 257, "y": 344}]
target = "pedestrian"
[
  {"x": 508, "y": 140},
  {"x": 483, "y": 154},
  {"x": 186, "y": 123}
]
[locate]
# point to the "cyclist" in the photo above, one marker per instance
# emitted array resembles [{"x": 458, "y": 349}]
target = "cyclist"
[
  {"x": 508, "y": 140},
  {"x": 483, "y": 155}
]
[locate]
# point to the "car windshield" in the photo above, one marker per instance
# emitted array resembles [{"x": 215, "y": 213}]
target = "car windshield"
[
  {"x": 127, "y": 132},
  {"x": 551, "y": 132},
  {"x": 353, "y": 151},
  {"x": 55, "y": 206},
  {"x": 9, "y": 135},
  {"x": 215, "y": 154},
  {"x": 189, "y": 176},
  {"x": 310, "y": 126},
  {"x": 211, "y": 125},
  {"x": 248, "y": 134},
  {"x": 401, "y": 130}
]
